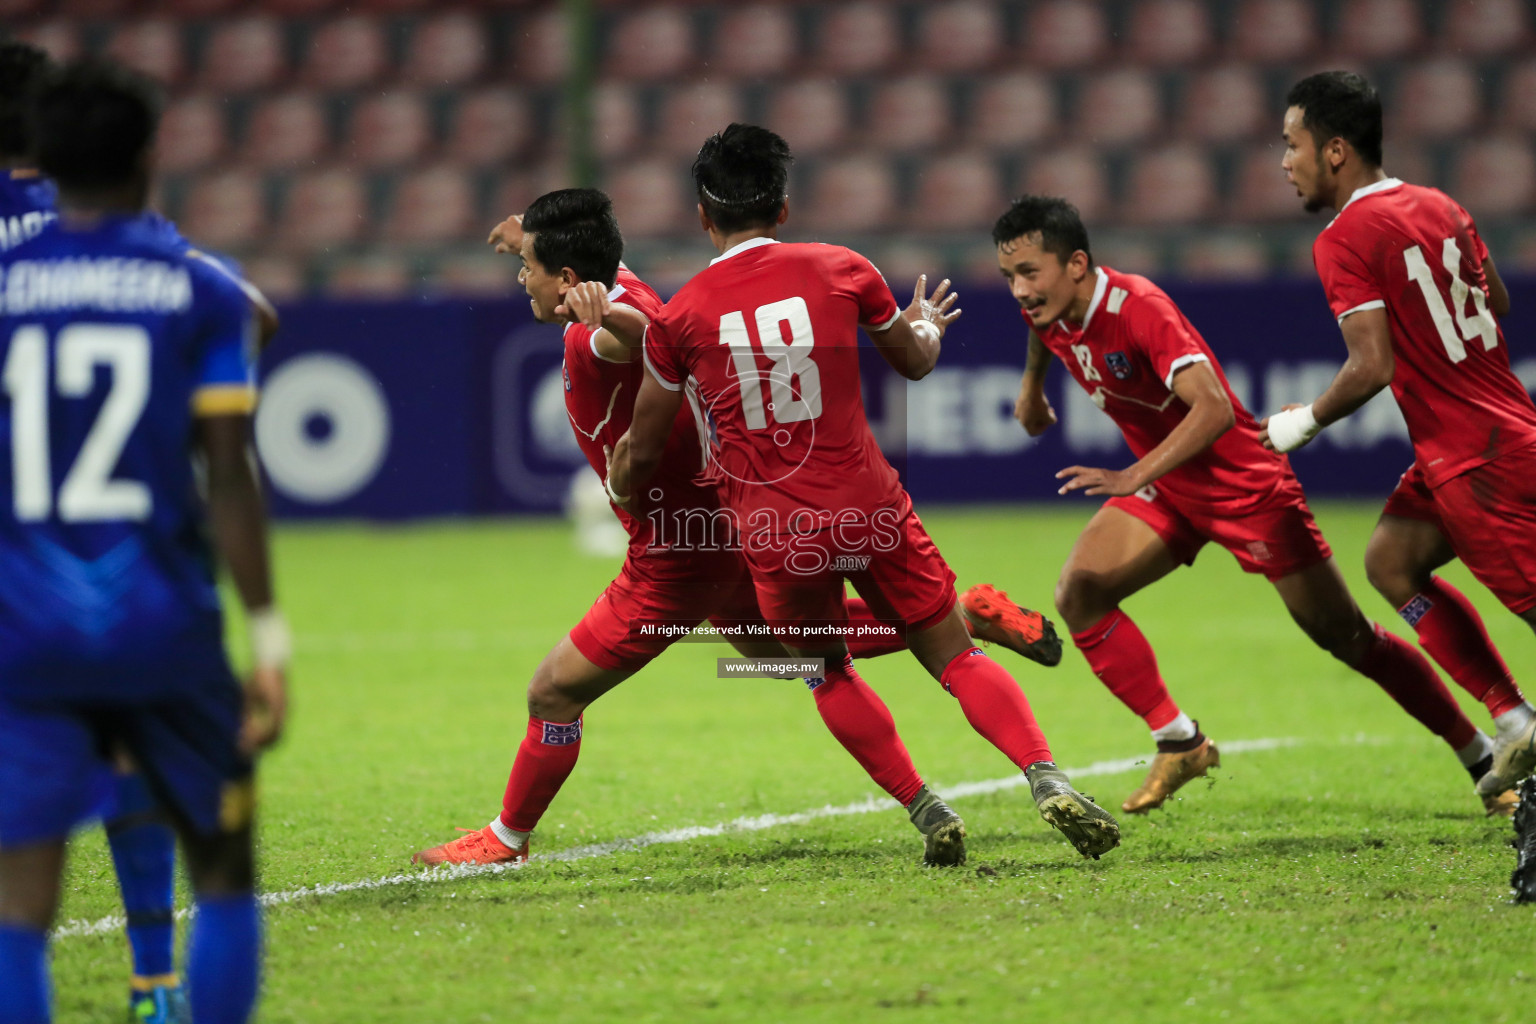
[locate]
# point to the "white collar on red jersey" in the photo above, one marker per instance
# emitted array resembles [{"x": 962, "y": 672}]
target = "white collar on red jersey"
[
  {"x": 751, "y": 243},
  {"x": 1099, "y": 289},
  {"x": 1369, "y": 190}
]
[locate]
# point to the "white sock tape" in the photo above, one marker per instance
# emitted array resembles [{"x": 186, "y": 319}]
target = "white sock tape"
[{"x": 271, "y": 641}]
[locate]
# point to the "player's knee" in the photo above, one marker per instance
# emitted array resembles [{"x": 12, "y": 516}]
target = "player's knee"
[
  {"x": 1343, "y": 636},
  {"x": 1080, "y": 600},
  {"x": 1391, "y": 574},
  {"x": 549, "y": 700}
]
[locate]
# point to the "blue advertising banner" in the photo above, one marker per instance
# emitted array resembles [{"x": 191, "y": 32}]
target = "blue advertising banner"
[{"x": 431, "y": 408}]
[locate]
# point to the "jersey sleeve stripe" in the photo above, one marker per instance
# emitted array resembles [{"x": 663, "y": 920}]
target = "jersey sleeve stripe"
[
  {"x": 1181, "y": 362},
  {"x": 651, "y": 367},
  {"x": 592, "y": 342},
  {"x": 224, "y": 400},
  {"x": 885, "y": 326},
  {"x": 1373, "y": 304}
]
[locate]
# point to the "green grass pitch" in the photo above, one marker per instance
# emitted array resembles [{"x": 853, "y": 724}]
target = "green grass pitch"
[{"x": 1350, "y": 877}]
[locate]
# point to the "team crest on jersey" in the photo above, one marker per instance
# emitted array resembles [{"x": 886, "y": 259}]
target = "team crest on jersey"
[
  {"x": 1119, "y": 365},
  {"x": 565, "y": 371}
]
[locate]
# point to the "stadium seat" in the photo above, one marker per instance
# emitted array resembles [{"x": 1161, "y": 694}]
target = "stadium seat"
[
  {"x": 960, "y": 35},
  {"x": 856, "y": 39},
  {"x": 1377, "y": 29},
  {"x": 93, "y": 9},
  {"x": 1169, "y": 186},
  {"x": 853, "y": 194},
  {"x": 692, "y": 113},
  {"x": 346, "y": 53},
  {"x": 376, "y": 276},
  {"x": 1482, "y": 27},
  {"x": 298, "y": 8},
  {"x": 901, "y": 263},
  {"x": 1495, "y": 176},
  {"x": 199, "y": 8},
  {"x": 513, "y": 193},
  {"x": 489, "y": 127},
  {"x": 1516, "y": 108},
  {"x": 1166, "y": 33},
  {"x": 286, "y": 131},
  {"x": 754, "y": 41},
  {"x": 243, "y": 54},
  {"x": 192, "y": 135},
  {"x": 434, "y": 205},
  {"x": 449, "y": 49},
  {"x": 153, "y": 46},
  {"x": 1226, "y": 103},
  {"x": 477, "y": 274},
  {"x": 388, "y": 130},
  {"x": 1076, "y": 174},
  {"x": 539, "y": 47},
  {"x": 652, "y": 45},
  {"x": 280, "y": 279},
  {"x": 60, "y": 39},
  {"x": 1260, "y": 191},
  {"x": 907, "y": 114},
  {"x": 812, "y": 115},
  {"x": 617, "y": 123},
  {"x": 1224, "y": 257},
  {"x": 324, "y": 209},
  {"x": 225, "y": 210},
  {"x": 1411, "y": 162},
  {"x": 1066, "y": 34},
  {"x": 1435, "y": 100},
  {"x": 1118, "y": 107},
  {"x": 1010, "y": 110},
  {"x": 394, "y": 6},
  {"x": 958, "y": 191},
  {"x": 16, "y": 11},
  {"x": 649, "y": 199},
  {"x": 1272, "y": 31}
]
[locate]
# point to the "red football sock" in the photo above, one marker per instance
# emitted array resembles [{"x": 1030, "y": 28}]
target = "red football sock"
[
  {"x": 871, "y": 642},
  {"x": 544, "y": 761},
  {"x": 1394, "y": 665},
  {"x": 862, "y": 723},
  {"x": 1452, "y": 632},
  {"x": 995, "y": 706},
  {"x": 1120, "y": 656}
]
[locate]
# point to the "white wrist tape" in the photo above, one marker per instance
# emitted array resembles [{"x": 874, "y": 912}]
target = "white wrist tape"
[
  {"x": 271, "y": 642},
  {"x": 1290, "y": 430},
  {"x": 614, "y": 496},
  {"x": 926, "y": 329}
]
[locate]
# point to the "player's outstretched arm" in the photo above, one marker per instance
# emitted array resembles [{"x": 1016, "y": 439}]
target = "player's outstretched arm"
[
  {"x": 632, "y": 466},
  {"x": 1032, "y": 409},
  {"x": 239, "y": 525},
  {"x": 912, "y": 341},
  {"x": 1369, "y": 368}
]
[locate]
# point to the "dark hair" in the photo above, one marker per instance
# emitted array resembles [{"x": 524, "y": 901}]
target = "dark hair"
[
  {"x": 91, "y": 124},
  {"x": 22, "y": 66},
  {"x": 1055, "y": 220},
  {"x": 575, "y": 227},
  {"x": 742, "y": 177},
  {"x": 1340, "y": 104}
]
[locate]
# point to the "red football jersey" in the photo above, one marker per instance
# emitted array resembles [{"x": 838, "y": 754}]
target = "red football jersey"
[
  {"x": 1415, "y": 252},
  {"x": 600, "y": 401},
  {"x": 770, "y": 334},
  {"x": 1124, "y": 354}
]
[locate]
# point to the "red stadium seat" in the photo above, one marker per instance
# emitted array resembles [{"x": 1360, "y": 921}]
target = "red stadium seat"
[
  {"x": 376, "y": 276},
  {"x": 346, "y": 53},
  {"x": 153, "y": 47},
  {"x": 755, "y": 41},
  {"x": 1170, "y": 186},
  {"x": 1480, "y": 27},
  {"x": 324, "y": 209},
  {"x": 812, "y": 115},
  {"x": 651, "y": 45},
  {"x": 1118, "y": 107},
  {"x": 1495, "y": 176},
  {"x": 388, "y": 130},
  {"x": 650, "y": 199},
  {"x": 1167, "y": 33},
  {"x": 1227, "y": 103},
  {"x": 1224, "y": 258},
  {"x": 902, "y": 263},
  {"x": 692, "y": 113},
  {"x": 907, "y": 114},
  {"x": 199, "y": 8},
  {"x": 480, "y": 274},
  {"x": 1260, "y": 192},
  {"x": 1076, "y": 174},
  {"x": 540, "y": 47},
  {"x": 960, "y": 35},
  {"x": 1012, "y": 110},
  {"x": 515, "y": 191},
  {"x": 489, "y": 127},
  {"x": 616, "y": 120},
  {"x": 1517, "y": 98},
  {"x": 225, "y": 211},
  {"x": 1271, "y": 31},
  {"x": 1434, "y": 100},
  {"x": 433, "y": 206},
  {"x": 244, "y": 54},
  {"x": 192, "y": 135},
  {"x": 1374, "y": 29},
  {"x": 856, "y": 38},
  {"x": 298, "y": 8},
  {"x": 286, "y": 131},
  {"x": 449, "y": 49},
  {"x": 851, "y": 195},
  {"x": 958, "y": 191},
  {"x": 279, "y": 279},
  {"x": 1066, "y": 34}
]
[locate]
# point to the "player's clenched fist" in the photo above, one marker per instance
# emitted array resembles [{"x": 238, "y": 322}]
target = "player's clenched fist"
[
  {"x": 586, "y": 303},
  {"x": 1033, "y": 411}
]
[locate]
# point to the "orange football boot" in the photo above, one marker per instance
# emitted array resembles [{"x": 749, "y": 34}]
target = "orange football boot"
[
  {"x": 476, "y": 846},
  {"x": 990, "y": 616}
]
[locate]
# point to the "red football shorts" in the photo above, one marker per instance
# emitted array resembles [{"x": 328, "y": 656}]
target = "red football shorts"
[
  {"x": 611, "y": 636},
  {"x": 887, "y": 555},
  {"x": 1412, "y": 499},
  {"x": 1488, "y": 514},
  {"x": 1276, "y": 539}
]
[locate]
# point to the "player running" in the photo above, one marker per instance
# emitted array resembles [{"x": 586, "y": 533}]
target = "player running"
[
  {"x": 768, "y": 336},
  {"x": 1416, "y": 295},
  {"x": 121, "y": 356},
  {"x": 684, "y": 564},
  {"x": 1201, "y": 475}
]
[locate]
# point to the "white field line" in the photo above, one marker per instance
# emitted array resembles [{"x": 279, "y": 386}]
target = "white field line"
[{"x": 870, "y": 805}]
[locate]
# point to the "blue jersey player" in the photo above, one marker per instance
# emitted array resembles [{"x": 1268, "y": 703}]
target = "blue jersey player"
[{"x": 122, "y": 356}]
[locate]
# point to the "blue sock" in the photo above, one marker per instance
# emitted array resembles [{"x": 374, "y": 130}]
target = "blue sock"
[
  {"x": 144, "y": 853},
  {"x": 224, "y": 959},
  {"x": 23, "y": 975}
]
